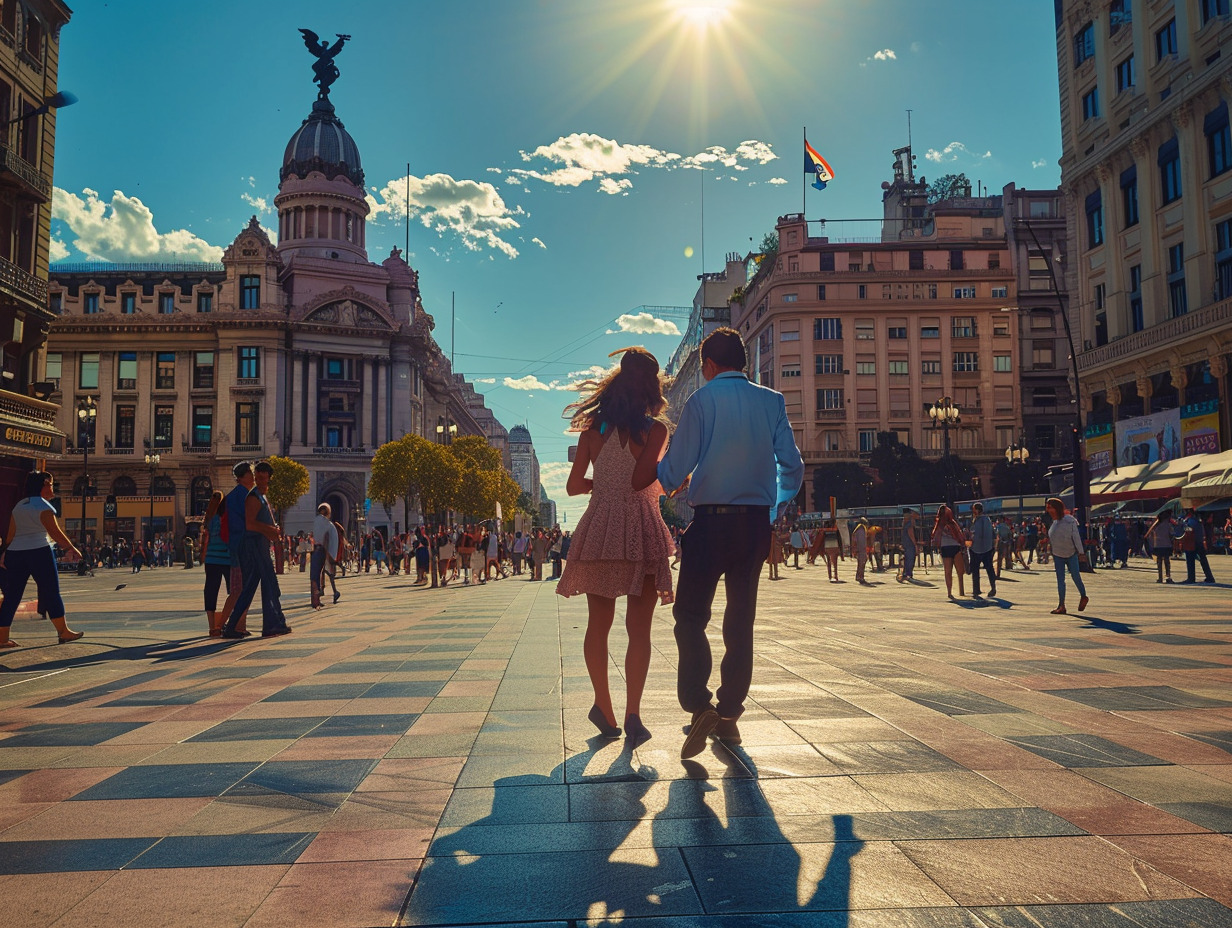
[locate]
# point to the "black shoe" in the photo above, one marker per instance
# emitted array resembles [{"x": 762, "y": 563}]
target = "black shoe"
[
  {"x": 727, "y": 731},
  {"x": 278, "y": 632},
  {"x": 703, "y": 724},
  {"x": 992, "y": 593},
  {"x": 234, "y": 635},
  {"x": 337, "y": 596},
  {"x": 597, "y": 719},
  {"x": 635, "y": 732}
]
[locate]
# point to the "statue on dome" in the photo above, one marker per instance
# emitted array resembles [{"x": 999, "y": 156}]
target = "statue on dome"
[{"x": 325, "y": 71}]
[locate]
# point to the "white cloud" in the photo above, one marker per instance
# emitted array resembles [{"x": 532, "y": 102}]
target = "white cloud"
[
  {"x": 494, "y": 170},
  {"x": 471, "y": 210},
  {"x": 753, "y": 150},
  {"x": 1040, "y": 163},
  {"x": 122, "y": 229},
  {"x": 614, "y": 186},
  {"x": 59, "y": 251},
  {"x": 538, "y": 241},
  {"x": 554, "y": 475},
  {"x": 593, "y": 372},
  {"x": 952, "y": 152},
  {"x": 260, "y": 204},
  {"x": 886, "y": 54},
  {"x": 486, "y": 380},
  {"x": 777, "y": 180},
  {"x": 529, "y": 382},
  {"x": 644, "y": 324}
]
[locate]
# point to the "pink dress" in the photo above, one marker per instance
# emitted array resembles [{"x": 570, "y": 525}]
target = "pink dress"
[{"x": 621, "y": 537}]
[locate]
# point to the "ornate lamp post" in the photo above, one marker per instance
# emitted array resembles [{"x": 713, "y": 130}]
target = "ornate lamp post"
[
  {"x": 945, "y": 414},
  {"x": 87, "y": 414},
  {"x": 151, "y": 461},
  {"x": 446, "y": 429},
  {"x": 1017, "y": 455}
]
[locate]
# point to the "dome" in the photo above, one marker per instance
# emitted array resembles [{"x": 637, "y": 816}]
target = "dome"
[
  {"x": 322, "y": 144},
  {"x": 519, "y": 433}
]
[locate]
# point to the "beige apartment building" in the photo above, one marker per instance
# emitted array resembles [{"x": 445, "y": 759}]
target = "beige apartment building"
[{"x": 1147, "y": 173}]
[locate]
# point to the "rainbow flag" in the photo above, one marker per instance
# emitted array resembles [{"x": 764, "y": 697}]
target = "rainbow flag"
[{"x": 817, "y": 165}]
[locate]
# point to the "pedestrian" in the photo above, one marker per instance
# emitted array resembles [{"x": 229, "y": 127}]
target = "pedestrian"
[
  {"x": 1160, "y": 536},
  {"x": 216, "y": 560},
  {"x": 621, "y": 545},
  {"x": 735, "y": 453},
  {"x": 423, "y": 557},
  {"x": 256, "y": 565},
  {"x": 324, "y": 544},
  {"x": 233, "y": 518},
  {"x": 983, "y": 540},
  {"x": 1005, "y": 538},
  {"x": 378, "y": 550},
  {"x": 1120, "y": 542},
  {"x": 303, "y": 547},
  {"x": 911, "y": 520},
  {"x": 28, "y": 554},
  {"x": 1194, "y": 544},
  {"x": 539, "y": 548},
  {"x": 138, "y": 558},
  {"x": 859, "y": 546},
  {"x": 492, "y": 555},
  {"x": 519, "y": 551},
  {"x": 796, "y": 539},
  {"x": 832, "y": 549},
  {"x": 948, "y": 536},
  {"x": 1068, "y": 552},
  {"x": 775, "y": 557}
]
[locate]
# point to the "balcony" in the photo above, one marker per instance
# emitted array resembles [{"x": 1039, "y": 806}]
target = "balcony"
[
  {"x": 340, "y": 386},
  {"x": 27, "y": 426},
  {"x": 19, "y": 172},
  {"x": 119, "y": 451},
  {"x": 830, "y": 414},
  {"x": 190, "y": 448},
  {"x": 23, "y": 285},
  {"x": 247, "y": 449},
  {"x": 319, "y": 449},
  {"x": 1197, "y": 324}
]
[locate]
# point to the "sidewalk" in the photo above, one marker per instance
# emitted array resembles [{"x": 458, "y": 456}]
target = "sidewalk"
[{"x": 422, "y": 757}]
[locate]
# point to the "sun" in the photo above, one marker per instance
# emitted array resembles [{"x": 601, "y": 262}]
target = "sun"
[{"x": 702, "y": 14}]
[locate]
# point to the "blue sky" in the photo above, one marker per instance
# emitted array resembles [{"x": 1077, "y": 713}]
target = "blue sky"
[{"x": 559, "y": 149}]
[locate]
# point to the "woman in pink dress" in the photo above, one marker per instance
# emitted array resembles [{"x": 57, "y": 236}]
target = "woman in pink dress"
[{"x": 621, "y": 546}]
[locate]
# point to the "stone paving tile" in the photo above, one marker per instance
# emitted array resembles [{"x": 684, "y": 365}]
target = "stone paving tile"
[
  {"x": 1083, "y": 751},
  {"x": 124, "y": 818},
  {"x": 1183, "y": 913},
  {"x": 330, "y": 894},
  {"x": 46, "y": 896},
  {"x": 67, "y": 855},
  {"x": 222, "y": 851}
]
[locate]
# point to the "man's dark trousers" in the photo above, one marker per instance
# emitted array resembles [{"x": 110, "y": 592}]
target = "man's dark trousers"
[
  {"x": 1192, "y": 558},
  {"x": 976, "y": 561},
  {"x": 258, "y": 569},
  {"x": 732, "y": 545}
]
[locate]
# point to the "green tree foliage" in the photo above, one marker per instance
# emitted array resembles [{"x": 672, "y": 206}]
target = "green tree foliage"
[
  {"x": 948, "y": 186},
  {"x": 901, "y": 476},
  {"x": 846, "y": 481},
  {"x": 769, "y": 246},
  {"x": 287, "y": 484},
  {"x": 415, "y": 469},
  {"x": 476, "y": 450},
  {"x": 1006, "y": 478}
]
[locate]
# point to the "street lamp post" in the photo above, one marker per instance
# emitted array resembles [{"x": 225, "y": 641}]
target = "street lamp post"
[
  {"x": 446, "y": 429},
  {"x": 152, "y": 460},
  {"x": 87, "y": 414},
  {"x": 1017, "y": 455},
  {"x": 947, "y": 415}
]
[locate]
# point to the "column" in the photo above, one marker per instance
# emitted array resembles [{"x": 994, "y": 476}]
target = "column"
[
  {"x": 1192, "y": 144},
  {"x": 1144, "y": 392},
  {"x": 1148, "y": 201},
  {"x": 1219, "y": 370},
  {"x": 312, "y": 362},
  {"x": 362, "y": 436}
]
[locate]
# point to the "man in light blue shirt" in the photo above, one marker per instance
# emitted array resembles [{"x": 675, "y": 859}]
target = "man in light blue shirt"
[
  {"x": 735, "y": 451},
  {"x": 983, "y": 540}
]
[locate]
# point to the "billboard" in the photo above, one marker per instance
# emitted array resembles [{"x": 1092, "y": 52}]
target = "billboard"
[
  {"x": 1148, "y": 439},
  {"x": 1200, "y": 428},
  {"x": 1099, "y": 449}
]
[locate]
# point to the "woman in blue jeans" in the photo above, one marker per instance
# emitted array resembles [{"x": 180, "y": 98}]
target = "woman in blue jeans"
[{"x": 1067, "y": 552}]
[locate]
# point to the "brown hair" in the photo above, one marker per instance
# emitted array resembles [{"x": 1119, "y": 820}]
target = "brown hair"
[
  {"x": 1055, "y": 503},
  {"x": 215, "y": 501},
  {"x": 725, "y": 347},
  {"x": 629, "y": 397}
]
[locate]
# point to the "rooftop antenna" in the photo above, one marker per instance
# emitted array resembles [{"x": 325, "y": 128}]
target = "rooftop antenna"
[
  {"x": 406, "y": 255},
  {"x": 908, "y": 129}
]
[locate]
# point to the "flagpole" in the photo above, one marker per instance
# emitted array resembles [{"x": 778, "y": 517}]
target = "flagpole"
[{"x": 804, "y": 190}]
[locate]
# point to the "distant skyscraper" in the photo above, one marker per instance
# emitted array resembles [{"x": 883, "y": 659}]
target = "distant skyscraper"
[{"x": 525, "y": 463}]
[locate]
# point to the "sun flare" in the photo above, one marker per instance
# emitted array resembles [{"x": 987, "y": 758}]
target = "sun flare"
[{"x": 702, "y": 14}]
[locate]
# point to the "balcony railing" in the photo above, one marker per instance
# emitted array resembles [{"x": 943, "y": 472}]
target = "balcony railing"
[
  {"x": 119, "y": 451},
  {"x": 190, "y": 448},
  {"x": 22, "y": 284},
  {"x": 831, "y": 414},
  {"x": 1198, "y": 323},
  {"x": 36, "y": 412},
  {"x": 12, "y": 163},
  {"x": 246, "y": 449},
  {"x": 319, "y": 449}
]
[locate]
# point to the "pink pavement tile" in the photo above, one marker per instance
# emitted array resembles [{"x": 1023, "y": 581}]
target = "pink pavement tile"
[
  {"x": 114, "y": 818},
  {"x": 299, "y": 709},
  {"x": 391, "y": 706},
  {"x": 420, "y": 809},
  {"x": 413, "y": 773},
  {"x": 193, "y": 897},
  {"x": 208, "y": 712},
  {"x": 448, "y": 723},
  {"x": 1201, "y": 861},
  {"x": 338, "y": 748},
  {"x": 53, "y": 785},
  {"x": 11, "y": 816},
  {"x": 161, "y": 733},
  {"x": 44, "y": 897},
  {"x": 337, "y": 895},
  {"x": 368, "y": 844},
  {"x": 107, "y": 755}
]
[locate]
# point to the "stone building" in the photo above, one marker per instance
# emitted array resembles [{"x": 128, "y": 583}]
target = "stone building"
[
  {"x": 29, "y": 63},
  {"x": 525, "y": 463},
  {"x": 1146, "y": 168},
  {"x": 305, "y": 349}
]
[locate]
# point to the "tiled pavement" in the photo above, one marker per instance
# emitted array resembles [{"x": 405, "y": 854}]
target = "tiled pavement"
[{"x": 422, "y": 758}]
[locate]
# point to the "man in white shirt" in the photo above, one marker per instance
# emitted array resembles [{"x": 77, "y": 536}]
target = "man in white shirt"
[{"x": 325, "y": 543}]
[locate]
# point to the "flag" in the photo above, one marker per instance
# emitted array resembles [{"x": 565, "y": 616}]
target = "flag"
[{"x": 817, "y": 165}]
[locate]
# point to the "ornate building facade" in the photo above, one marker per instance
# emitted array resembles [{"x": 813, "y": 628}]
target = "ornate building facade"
[
  {"x": 304, "y": 349},
  {"x": 525, "y": 463}
]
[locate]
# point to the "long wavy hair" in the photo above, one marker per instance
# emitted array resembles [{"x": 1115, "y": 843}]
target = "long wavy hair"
[{"x": 629, "y": 397}]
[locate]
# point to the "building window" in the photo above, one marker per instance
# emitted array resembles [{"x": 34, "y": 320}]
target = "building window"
[
  {"x": 166, "y": 303},
  {"x": 1212, "y": 9},
  {"x": 1129, "y": 196},
  {"x": 915, "y": 260},
  {"x": 1136, "y": 320},
  {"x": 1045, "y": 437},
  {"x": 865, "y": 331},
  {"x": 250, "y": 292},
  {"x": 164, "y": 371},
  {"x": 125, "y": 426},
  {"x": 164, "y": 426},
  {"x": 790, "y": 297},
  {"x": 127, "y": 379},
  {"x": 1170, "y": 170},
  {"x": 203, "y": 370},
  {"x": 202, "y": 426},
  {"x": 1084, "y": 44},
  {"x": 897, "y": 331},
  {"x": 826, "y": 261},
  {"x": 792, "y": 336},
  {"x": 334, "y": 369},
  {"x": 966, "y": 362},
  {"x": 88, "y": 371},
  {"x": 930, "y": 367},
  {"x": 1120, "y": 13},
  {"x": 832, "y": 441},
  {"x": 1095, "y": 219},
  {"x": 1218, "y": 140},
  {"x": 128, "y": 303},
  {"x": 90, "y": 306},
  {"x": 828, "y": 364},
  {"x": 1178, "y": 305},
  {"x": 1090, "y": 103},
  {"x": 868, "y": 440},
  {"x": 1001, "y": 363},
  {"x": 1044, "y": 396},
  {"x": 866, "y": 367},
  {"x": 1165, "y": 41},
  {"x": 1125, "y": 75},
  {"x": 964, "y": 293},
  {"x": 956, "y": 260},
  {"x": 205, "y": 302},
  {"x": 1000, "y": 328},
  {"x": 829, "y": 399},
  {"x": 824, "y": 329},
  {"x": 1043, "y": 358},
  {"x": 962, "y": 327},
  {"x": 247, "y": 423},
  {"x": 790, "y": 370},
  {"x": 1000, "y": 293},
  {"x": 250, "y": 363},
  {"x": 898, "y": 367},
  {"x": 821, "y": 291},
  {"x": 55, "y": 363},
  {"x": 333, "y": 436},
  {"x": 1223, "y": 267},
  {"x": 861, "y": 291}
]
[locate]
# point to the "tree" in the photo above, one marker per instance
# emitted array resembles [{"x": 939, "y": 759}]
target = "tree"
[
  {"x": 476, "y": 450},
  {"x": 391, "y": 475},
  {"x": 847, "y": 482},
  {"x": 413, "y": 468},
  {"x": 902, "y": 477},
  {"x": 949, "y": 186},
  {"x": 287, "y": 484}
]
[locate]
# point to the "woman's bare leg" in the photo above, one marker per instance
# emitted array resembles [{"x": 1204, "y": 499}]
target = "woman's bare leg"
[
  {"x": 602, "y": 610},
  {"x": 638, "y": 616}
]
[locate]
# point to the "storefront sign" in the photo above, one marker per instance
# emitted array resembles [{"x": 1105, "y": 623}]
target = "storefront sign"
[
  {"x": 30, "y": 441},
  {"x": 1148, "y": 439},
  {"x": 1099, "y": 443},
  {"x": 1200, "y": 427}
]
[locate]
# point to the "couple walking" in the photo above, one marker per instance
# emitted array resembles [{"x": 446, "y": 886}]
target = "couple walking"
[{"x": 735, "y": 454}]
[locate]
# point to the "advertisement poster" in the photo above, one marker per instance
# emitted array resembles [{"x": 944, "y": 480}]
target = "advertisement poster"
[
  {"x": 1200, "y": 428},
  {"x": 1148, "y": 439},
  {"x": 1099, "y": 449}
]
